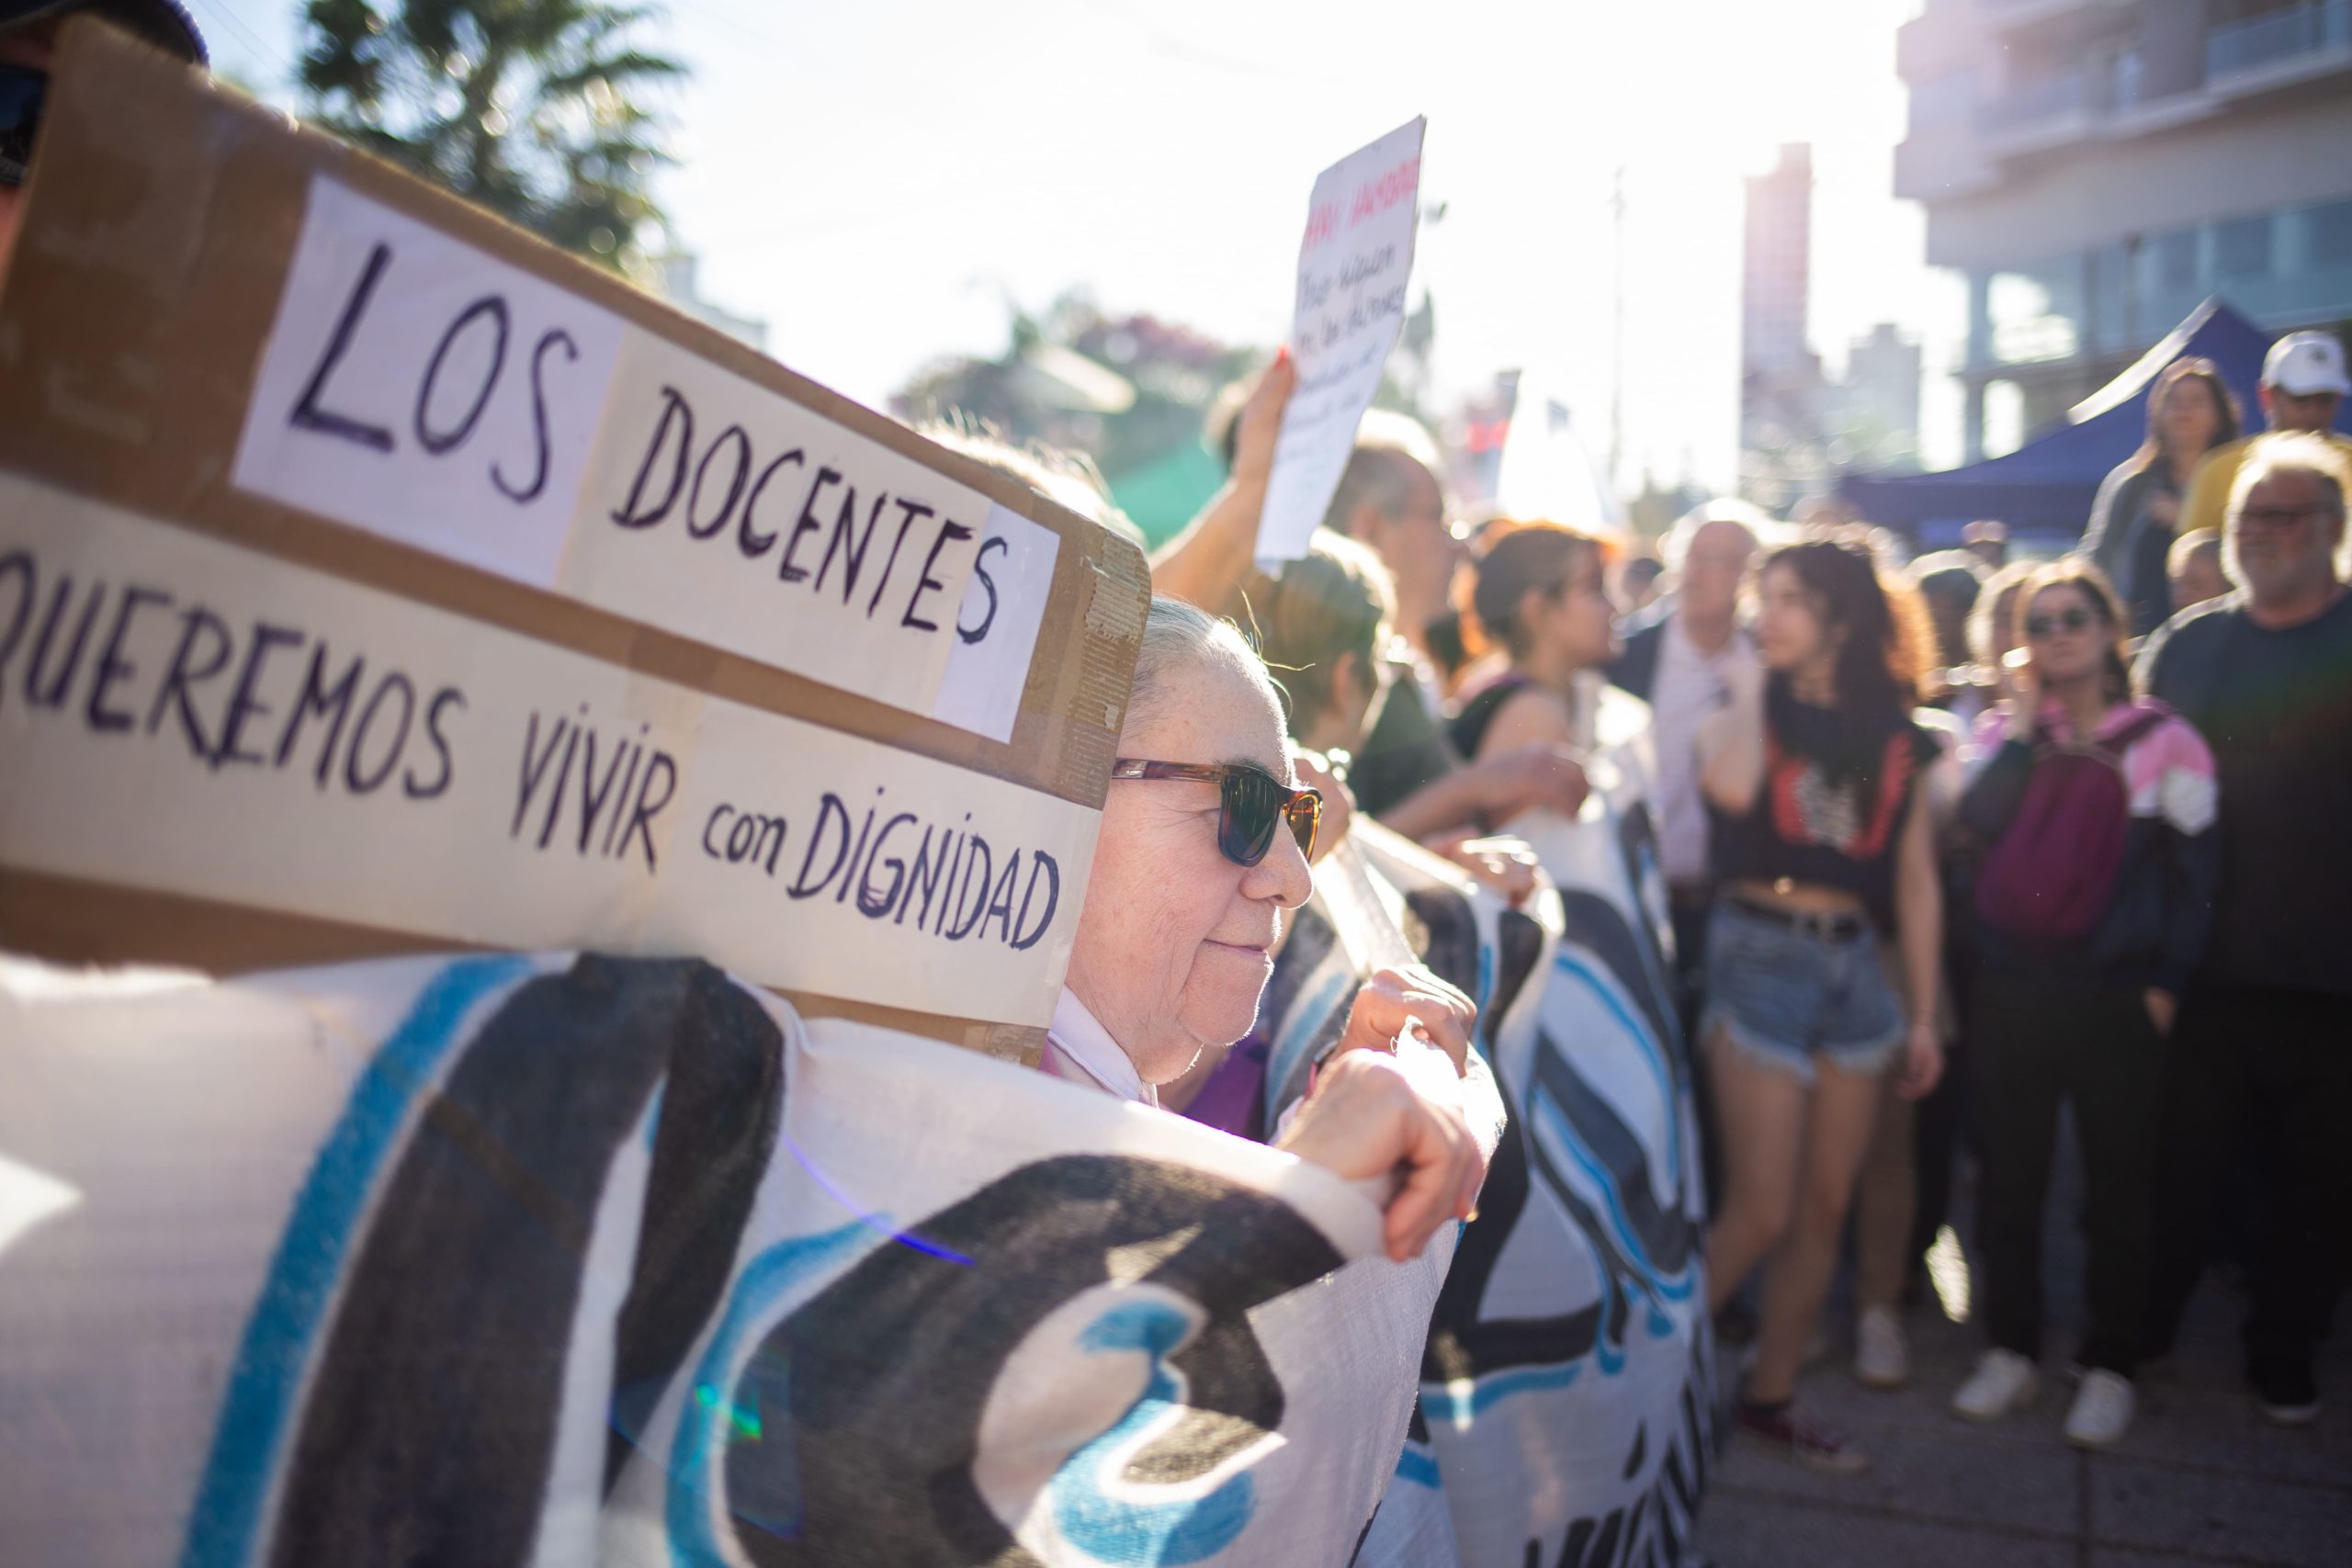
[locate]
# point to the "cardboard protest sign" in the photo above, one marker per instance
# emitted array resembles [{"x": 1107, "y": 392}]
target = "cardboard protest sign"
[
  {"x": 1353, "y": 267},
  {"x": 375, "y": 577},
  {"x": 516, "y": 1258}
]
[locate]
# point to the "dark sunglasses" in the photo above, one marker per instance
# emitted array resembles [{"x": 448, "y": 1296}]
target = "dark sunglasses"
[
  {"x": 22, "y": 91},
  {"x": 1250, "y": 802},
  {"x": 2071, "y": 620}
]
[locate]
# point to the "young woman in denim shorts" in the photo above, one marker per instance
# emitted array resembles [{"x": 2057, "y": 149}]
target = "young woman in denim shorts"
[{"x": 1812, "y": 778}]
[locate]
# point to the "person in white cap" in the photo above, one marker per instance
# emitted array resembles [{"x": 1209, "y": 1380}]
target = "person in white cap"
[{"x": 2303, "y": 387}]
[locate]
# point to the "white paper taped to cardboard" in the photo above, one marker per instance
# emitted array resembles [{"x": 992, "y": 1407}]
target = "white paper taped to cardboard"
[
  {"x": 418, "y": 389},
  {"x": 1011, "y": 577},
  {"x": 183, "y": 714}
]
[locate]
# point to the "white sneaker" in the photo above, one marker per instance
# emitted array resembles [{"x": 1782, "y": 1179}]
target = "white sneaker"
[
  {"x": 2102, "y": 1410},
  {"x": 2003, "y": 1381},
  {"x": 1881, "y": 1354}
]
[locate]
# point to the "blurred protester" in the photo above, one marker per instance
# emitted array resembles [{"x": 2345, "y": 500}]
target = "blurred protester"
[
  {"x": 1404, "y": 772},
  {"x": 1988, "y": 540},
  {"x": 1389, "y": 501},
  {"x": 1540, "y": 598},
  {"x": 28, "y": 32},
  {"x": 2265, "y": 676},
  {"x": 1822, "y": 840},
  {"x": 2303, "y": 387},
  {"x": 2191, "y": 412},
  {"x": 1321, "y": 625},
  {"x": 1203, "y": 848},
  {"x": 1905, "y": 1195},
  {"x": 1638, "y": 583},
  {"x": 2092, "y": 909},
  {"x": 1948, "y": 583},
  {"x": 1680, "y": 659},
  {"x": 2194, "y": 571},
  {"x": 1993, "y": 634},
  {"x": 1887, "y": 1194}
]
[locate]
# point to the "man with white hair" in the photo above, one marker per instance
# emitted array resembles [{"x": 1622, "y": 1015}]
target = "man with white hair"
[
  {"x": 2262, "y": 1049},
  {"x": 1683, "y": 660},
  {"x": 2303, "y": 387}
]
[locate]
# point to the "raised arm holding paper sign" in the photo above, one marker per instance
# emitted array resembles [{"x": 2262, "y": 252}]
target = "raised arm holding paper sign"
[{"x": 1352, "y": 268}]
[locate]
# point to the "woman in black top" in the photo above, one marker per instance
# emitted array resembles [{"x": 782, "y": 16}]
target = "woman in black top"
[
  {"x": 1812, "y": 778},
  {"x": 1540, "y": 595},
  {"x": 2191, "y": 412}
]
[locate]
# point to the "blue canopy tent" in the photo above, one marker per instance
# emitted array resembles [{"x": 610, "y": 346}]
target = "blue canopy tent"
[{"x": 2046, "y": 486}]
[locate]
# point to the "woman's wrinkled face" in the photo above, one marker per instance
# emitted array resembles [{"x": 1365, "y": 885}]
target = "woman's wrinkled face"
[
  {"x": 1176, "y": 941},
  {"x": 1788, "y": 632}
]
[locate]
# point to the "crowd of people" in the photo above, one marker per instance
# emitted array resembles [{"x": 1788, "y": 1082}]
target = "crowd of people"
[
  {"x": 1950, "y": 845},
  {"x": 1947, "y": 846}
]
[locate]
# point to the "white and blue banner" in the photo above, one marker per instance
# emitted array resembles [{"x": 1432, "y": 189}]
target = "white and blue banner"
[
  {"x": 508, "y": 1260},
  {"x": 1568, "y": 1412}
]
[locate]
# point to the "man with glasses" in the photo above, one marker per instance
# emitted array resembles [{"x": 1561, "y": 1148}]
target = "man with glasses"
[
  {"x": 1389, "y": 501},
  {"x": 2303, "y": 387},
  {"x": 2263, "y": 1051},
  {"x": 28, "y": 32}
]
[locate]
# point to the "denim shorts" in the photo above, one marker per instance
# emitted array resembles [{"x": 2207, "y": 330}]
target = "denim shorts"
[{"x": 1783, "y": 994}]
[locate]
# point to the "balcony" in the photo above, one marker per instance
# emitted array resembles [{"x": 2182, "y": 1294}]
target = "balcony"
[
  {"x": 2285, "y": 44},
  {"x": 2041, "y": 112},
  {"x": 2005, "y": 15},
  {"x": 1939, "y": 161}
]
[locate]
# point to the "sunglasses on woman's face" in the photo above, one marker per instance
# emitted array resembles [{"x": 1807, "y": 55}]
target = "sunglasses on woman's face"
[
  {"x": 22, "y": 92},
  {"x": 2066, "y": 620},
  {"x": 1252, "y": 803}
]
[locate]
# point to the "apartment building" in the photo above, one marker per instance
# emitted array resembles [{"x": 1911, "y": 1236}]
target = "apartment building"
[{"x": 2095, "y": 168}]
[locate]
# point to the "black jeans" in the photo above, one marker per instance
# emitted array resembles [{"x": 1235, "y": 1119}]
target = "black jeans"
[
  {"x": 2037, "y": 1045},
  {"x": 2277, "y": 1066},
  {"x": 1689, "y": 910},
  {"x": 1942, "y": 1124}
]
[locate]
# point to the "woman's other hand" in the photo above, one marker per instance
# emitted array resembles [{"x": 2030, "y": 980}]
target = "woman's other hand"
[
  {"x": 1260, "y": 422},
  {"x": 1414, "y": 1003},
  {"x": 1503, "y": 865},
  {"x": 1373, "y": 1113},
  {"x": 1923, "y": 1060}
]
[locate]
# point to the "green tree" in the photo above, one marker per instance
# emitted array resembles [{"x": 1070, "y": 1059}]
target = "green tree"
[{"x": 534, "y": 108}]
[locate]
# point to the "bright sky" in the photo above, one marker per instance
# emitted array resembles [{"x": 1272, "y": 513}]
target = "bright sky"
[{"x": 875, "y": 179}]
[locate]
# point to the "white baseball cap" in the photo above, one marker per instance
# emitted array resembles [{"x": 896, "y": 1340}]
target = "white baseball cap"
[{"x": 2305, "y": 364}]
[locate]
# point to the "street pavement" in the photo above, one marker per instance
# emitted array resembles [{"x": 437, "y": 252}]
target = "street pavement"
[{"x": 2199, "y": 1479}]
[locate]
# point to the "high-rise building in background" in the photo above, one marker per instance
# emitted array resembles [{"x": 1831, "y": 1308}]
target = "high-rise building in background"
[
  {"x": 2096, "y": 168},
  {"x": 1779, "y": 376},
  {"x": 1878, "y": 404}
]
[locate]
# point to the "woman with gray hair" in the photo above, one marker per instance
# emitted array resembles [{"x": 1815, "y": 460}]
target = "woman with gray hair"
[{"x": 1204, "y": 847}]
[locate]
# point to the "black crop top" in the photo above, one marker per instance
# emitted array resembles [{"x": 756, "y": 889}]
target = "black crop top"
[
  {"x": 1836, "y": 795},
  {"x": 1468, "y": 729}
]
